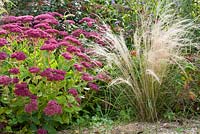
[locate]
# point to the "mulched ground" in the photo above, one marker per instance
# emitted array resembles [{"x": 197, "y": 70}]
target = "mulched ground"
[{"x": 179, "y": 127}]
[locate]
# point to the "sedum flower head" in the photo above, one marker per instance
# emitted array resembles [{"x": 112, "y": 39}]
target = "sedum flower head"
[
  {"x": 5, "y": 80},
  {"x": 93, "y": 86},
  {"x": 73, "y": 49},
  {"x": 32, "y": 106},
  {"x": 67, "y": 55},
  {"x": 3, "y": 42},
  {"x": 3, "y": 32},
  {"x": 19, "y": 56},
  {"x": 86, "y": 64},
  {"x": 15, "y": 80},
  {"x": 42, "y": 131},
  {"x": 14, "y": 71},
  {"x": 43, "y": 25},
  {"x": 87, "y": 77},
  {"x": 25, "y": 19},
  {"x": 37, "y": 33},
  {"x": 50, "y": 45},
  {"x": 53, "y": 74},
  {"x": 78, "y": 67},
  {"x": 73, "y": 40},
  {"x": 52, "y": 108},
  {"x": 21, "y": 89},
  {"x": 3, "y": 55},
  {"x": 34, "y": 70},
  {"x": 43, "y": 17},
  {"x": 73, "y": 92}
]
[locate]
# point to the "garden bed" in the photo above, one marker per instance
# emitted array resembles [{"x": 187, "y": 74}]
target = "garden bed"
[{"x": 88, "y": 67}]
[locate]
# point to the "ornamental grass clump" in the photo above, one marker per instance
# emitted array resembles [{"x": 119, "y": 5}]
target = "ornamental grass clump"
[
  {"x": 140, "y": 73},
  {"x": 44, "y": 71}
]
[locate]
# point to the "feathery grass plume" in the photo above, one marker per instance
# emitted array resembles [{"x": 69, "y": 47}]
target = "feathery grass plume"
[
  {"x": 2, "y": 3},
  {"x": 158, "y": 42}
]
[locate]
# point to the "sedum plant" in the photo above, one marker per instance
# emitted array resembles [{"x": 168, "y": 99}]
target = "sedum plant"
[
  {"x": 46, "y": 74},
  {"x": 140, "y": 73}
]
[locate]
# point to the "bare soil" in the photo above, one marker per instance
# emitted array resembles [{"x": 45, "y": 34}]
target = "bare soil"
[{"x": 179, "y": 127}]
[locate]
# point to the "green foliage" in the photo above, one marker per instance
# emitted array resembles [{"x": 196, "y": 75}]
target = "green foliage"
[
  {"x": 22, "y": 7},
  {"x": 92, "y": 124},
  {"x": 169, "y": 116},
  {"x": 189, "y": 8}
]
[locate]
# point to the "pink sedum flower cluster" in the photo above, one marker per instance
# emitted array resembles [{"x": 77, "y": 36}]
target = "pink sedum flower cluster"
[
  {"x": 37, "y": 33},
  {"x": 42, "y": 131},
  {"x": 78, "y": 67},
  {"x": 32, "y": 106},
  {"x": 19, "y": 56},
  {"x": 88, "y": 20},
  {"x": 50, "y": 45},
  {"x": 52, "y": 108},
  {"x": 73, "y": 92},
  {"x": 87, "y": 77},
  {"x": 67, "y": 56},
  {"x": 53, "y": 74},
  {"x": 34, "y": 70},
  {"x": 14, "y": 71},
  {"x": 5, "y": 80},
  {"x": 3, "y": 42},
  {"x": 21, "y": 89},
  {"x": 3, "y": 55}
]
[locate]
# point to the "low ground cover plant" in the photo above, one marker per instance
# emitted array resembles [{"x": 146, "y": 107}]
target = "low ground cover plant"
[{"x": 46, "y": 74}]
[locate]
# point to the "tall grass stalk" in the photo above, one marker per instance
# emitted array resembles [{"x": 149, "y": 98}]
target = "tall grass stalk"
[
  {"x": 2, "y": 3},
  {"x": 158, "y": 42}
]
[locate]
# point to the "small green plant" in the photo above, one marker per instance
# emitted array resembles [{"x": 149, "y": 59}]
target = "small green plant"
[
  {"x": 169, "y": 116},
  {"x": 179, "y": 130}
]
